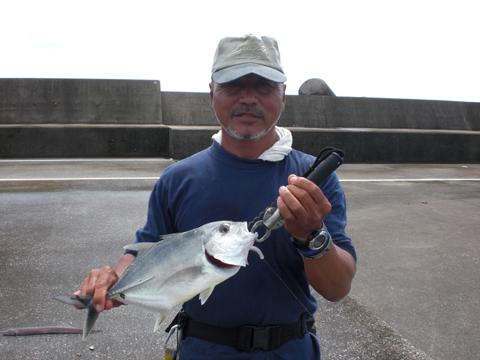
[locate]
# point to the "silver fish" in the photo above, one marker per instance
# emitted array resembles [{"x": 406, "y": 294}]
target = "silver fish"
[{"x": 177, "y": 268}]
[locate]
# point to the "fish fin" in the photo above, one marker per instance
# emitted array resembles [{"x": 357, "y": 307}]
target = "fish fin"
[
  {"x": 204, "y": 295},
  {"x": 80, "y": 302},
  {"x": 92, "y": 316},
  {"x": 159, "y": 320},
  {"x": 174, "y": 236},
  {"x": 139, "y": 246},
  {"x": 115, "y": 292}
]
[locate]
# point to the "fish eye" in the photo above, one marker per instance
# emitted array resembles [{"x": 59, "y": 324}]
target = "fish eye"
[{"x": 224, "y": 228}]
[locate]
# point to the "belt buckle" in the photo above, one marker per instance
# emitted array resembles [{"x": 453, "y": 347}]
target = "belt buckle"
[{"x": 258, "y": 338}]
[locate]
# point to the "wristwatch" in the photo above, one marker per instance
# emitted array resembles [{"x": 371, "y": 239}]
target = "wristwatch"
[{"x": 317, "y": 245}]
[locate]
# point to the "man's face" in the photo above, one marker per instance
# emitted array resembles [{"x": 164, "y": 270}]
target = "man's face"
[{"x": 248, "y": 107}]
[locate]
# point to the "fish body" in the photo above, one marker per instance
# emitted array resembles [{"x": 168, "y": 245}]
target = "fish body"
[{"x": 177, "y": 268}]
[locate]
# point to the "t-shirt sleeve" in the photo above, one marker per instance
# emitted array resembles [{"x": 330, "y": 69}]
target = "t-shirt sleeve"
[
  {"x": 159, "y": 219},
  {"x": 336, "y": 221}
]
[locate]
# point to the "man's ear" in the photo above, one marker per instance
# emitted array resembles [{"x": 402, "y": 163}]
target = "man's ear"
[{"x": 211, "y": 85}]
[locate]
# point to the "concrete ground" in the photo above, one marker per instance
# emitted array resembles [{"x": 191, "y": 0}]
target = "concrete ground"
[{"x": 416, "y": 228}]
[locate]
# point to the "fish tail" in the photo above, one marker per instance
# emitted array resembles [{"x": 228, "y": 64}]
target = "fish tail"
[{"x": 90, "y": 319}]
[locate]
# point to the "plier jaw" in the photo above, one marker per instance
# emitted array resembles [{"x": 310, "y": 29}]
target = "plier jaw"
[{"x": 271, "y": 220}]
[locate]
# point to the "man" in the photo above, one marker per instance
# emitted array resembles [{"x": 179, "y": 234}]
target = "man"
[{"x": 249, "y": 165}]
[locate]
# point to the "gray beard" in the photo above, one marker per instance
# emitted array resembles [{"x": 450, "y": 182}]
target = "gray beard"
[{"x": 252, "y": 137}]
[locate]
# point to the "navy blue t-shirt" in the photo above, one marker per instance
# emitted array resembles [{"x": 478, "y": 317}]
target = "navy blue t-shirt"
[{"x": 216, "y": 185}]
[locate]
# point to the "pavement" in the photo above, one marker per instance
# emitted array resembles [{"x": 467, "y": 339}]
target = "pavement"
[{"x": 416, "y": 229}]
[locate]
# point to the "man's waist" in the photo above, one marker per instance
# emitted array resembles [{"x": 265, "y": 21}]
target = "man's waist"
[{"x": 247, "y": 337}]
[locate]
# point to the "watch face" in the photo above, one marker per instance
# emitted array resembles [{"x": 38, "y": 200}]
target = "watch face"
[{"x": 317, "y": 242}]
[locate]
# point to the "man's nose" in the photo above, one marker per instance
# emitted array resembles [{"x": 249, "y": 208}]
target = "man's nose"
[{"x": 248, "y": 94}]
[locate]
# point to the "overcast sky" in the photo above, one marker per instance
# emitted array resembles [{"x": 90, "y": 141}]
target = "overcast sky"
[{"x": 416, "y": 49}]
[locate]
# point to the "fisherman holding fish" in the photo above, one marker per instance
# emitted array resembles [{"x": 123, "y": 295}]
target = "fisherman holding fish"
[{"x": 265, "y": 310}]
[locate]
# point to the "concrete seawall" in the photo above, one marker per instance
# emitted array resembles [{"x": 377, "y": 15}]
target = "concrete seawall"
[
  {"x": 79, "y": 101},
  {"x": 44, "y": 118}
]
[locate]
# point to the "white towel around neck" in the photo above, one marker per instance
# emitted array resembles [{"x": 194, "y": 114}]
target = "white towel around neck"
[{"x": 278, "y": 151}]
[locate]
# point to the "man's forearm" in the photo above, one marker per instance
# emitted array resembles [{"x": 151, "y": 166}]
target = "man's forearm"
[
  {"x": 332, "y": 274},
  {"x": 123, "y": 263}
]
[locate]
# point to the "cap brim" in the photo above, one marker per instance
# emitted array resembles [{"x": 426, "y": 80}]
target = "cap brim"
[{"x": 237, "y": 71}]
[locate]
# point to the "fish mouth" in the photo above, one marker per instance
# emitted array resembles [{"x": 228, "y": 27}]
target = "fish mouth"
[{"x": 218, "y": 263}]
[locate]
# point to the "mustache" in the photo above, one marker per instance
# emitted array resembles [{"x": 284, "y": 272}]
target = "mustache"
[{"x": 250, "y": 109}]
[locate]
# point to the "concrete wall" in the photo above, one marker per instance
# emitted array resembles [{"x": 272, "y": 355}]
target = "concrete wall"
[
  {"x": 89, "y": 118},
  {"x": 387, "y": 146},
  {"x": 336, "y": 112},
  {"x": 74, "y": 141},
  {"x": 74, "y": 101},
  {"x": 368, "y": 130},
  {"x": 180, "y": 108}
]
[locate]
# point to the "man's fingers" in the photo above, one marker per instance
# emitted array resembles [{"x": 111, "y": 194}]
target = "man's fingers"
[
  {"x": 308, "y": 186},
  {"x": 309, "y": 194},
  {"x": 99, "y": 298},
  {"x": 290, "y": 207},
  {"x": 304, "y": 199},
  {"x": 87, "y": 285},
  {"x": 302, "y": 205},
  {"x": 298, "y": 210},
  {"x": 105, "y": 280},
  {"x": 284, "y": 210},
  {"x": 97, "y": 284}
]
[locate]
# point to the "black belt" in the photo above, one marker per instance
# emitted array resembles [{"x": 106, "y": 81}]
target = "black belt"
[{"x": 247, "y": 337}]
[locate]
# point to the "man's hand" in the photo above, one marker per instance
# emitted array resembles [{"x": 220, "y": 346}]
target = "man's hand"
[
  {"x": 303, "y": 206},
  {"x": 97, "y": 284}
]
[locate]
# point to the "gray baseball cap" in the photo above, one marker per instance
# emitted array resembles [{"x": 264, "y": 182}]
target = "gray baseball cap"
[{"x": 239, "y": 56}]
